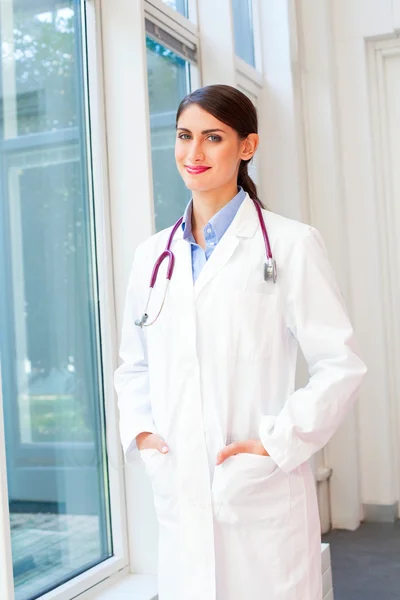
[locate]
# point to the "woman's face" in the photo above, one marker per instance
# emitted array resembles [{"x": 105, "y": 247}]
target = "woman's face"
[{"x": 208, "y": 152}]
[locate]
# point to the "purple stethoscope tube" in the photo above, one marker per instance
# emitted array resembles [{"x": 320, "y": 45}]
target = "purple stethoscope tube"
[{"x": 270, "y": 271}]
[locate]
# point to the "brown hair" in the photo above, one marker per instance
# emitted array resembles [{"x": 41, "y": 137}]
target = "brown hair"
[{"x": 229, "y": 105}]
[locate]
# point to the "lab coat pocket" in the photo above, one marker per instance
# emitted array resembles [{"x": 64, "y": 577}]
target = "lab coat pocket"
[
  {"x": 254, "y": 319},
  {"x": 160, "y": 470},
  {"x": 250, "y": 488}
]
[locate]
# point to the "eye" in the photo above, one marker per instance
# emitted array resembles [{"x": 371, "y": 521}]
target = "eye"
[
  {"x": 214, "y": 138},
  {"x": 184, "y": 136}
]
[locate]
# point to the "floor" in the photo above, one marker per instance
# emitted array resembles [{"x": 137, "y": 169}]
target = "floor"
[{"x": 366, "y": 562}]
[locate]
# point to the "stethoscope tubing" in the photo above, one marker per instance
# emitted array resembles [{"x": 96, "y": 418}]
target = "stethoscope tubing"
[
  {"x": 264, "y": 230},
  {"x": 166, "y": 254},
  {"x": 269, "y": 268}
]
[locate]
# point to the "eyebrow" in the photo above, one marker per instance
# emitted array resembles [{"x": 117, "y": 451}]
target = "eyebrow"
[{"x": 203, "y": 132}]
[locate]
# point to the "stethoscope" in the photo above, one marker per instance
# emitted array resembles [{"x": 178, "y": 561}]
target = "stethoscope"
[{"x": 270, "y": 271}]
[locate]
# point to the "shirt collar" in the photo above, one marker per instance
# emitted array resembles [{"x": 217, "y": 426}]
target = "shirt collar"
[{"x": 219, "y": 222}]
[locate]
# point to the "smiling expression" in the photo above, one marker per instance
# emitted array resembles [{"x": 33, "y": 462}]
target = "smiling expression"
[{"x": 207, "y": 151}]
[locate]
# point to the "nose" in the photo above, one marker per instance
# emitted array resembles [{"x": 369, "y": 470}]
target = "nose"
[{"x": 196, "y": 152}]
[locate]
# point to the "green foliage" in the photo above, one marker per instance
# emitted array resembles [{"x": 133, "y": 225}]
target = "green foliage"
[
  {"x": 45, "y": 54},
  {"x": 58, "y": 419}
]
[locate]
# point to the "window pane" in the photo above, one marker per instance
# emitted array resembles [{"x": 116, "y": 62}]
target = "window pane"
[
  {"x": 180, "y": 6},
  {"x": 49, "y": 333},
  {"x": 169, "y": 82},
  {"x": 243, "y": 29}
]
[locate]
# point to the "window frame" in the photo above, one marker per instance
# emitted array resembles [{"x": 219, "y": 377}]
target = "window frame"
[
  {"x": 6, "y": 564},
  {"x": 248, "y": 78},
  {"x": 98, "y": 159},
  {"x": 183, "y": 28}
]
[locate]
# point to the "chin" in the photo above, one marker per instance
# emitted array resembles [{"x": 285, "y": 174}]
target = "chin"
[
  {"x": 194, "y": 186},
  {"x": 198, "y": 186},
  {"x": 196, "y": 183}
]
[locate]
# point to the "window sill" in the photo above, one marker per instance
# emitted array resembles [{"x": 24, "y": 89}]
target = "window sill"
[
  {"x": 139, "y": 587},
  {"x": 144, "y": 587}
]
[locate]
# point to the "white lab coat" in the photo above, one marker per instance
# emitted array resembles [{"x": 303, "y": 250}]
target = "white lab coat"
[{"x": 219, "y": 366}]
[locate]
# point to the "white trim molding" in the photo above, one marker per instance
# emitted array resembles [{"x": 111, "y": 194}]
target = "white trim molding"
[
  {"x": 381, "y": 513},
  {"x": 384, "y": 94},
  {"x": 314, "y": 65},
  {"x": 248, "y": 77},
  {"x": 396, "y": 14}
]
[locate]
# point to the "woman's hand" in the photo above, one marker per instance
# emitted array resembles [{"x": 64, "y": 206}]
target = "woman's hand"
[
  {"x": 248, "y": 446},
  {"x": 147, "y": 440}
]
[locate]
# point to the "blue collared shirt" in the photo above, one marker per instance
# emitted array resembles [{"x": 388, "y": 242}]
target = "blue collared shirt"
[{"x": 213, "y": 231}]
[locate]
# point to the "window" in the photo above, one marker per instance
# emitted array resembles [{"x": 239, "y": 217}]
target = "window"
[
  {"x": 50, "y": 352},
  {"x": 171, "y": 69},
  {"x": 169, "y": 82},
  {"x": 243, "y": 30},
  {"x": 180, "y": 6}
]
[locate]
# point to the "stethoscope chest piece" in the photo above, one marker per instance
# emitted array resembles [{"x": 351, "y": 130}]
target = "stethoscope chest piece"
[
  {"x": 142, "y": 321},
  {"x": 270, "y": 271}
]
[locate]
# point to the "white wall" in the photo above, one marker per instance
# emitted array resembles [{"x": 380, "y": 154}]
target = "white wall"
[
  {"x": 341, "y": 103},
  {"x": 355, "y": 25},
  {"x": 328, "y": 156}
]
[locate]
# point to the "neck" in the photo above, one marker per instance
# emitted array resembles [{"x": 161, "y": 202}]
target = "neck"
[{"x": 207, "y": 204}]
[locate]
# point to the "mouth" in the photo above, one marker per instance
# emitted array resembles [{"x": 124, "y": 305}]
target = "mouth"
[{"x": 196, "y": 170}]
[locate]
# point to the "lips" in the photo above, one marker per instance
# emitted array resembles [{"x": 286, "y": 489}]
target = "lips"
[{"x": 196, "y": 170}]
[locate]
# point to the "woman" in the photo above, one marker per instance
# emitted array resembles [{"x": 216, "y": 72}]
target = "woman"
[{"x": 206, "y": 393}]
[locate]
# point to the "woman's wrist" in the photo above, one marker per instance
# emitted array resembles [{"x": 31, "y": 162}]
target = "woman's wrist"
[{"x": 140, "y": 438}]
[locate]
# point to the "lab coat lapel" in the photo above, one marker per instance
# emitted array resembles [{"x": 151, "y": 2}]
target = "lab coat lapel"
[
  {"x": 216, "y": 262},
  {"x": 182, "y": 279},
  {"x": 244, "y": 224}
]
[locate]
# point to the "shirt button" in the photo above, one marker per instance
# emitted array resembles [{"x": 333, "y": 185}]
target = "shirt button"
[
  {"x": 209, "y": 230},
  {"x": 212, "y": 243}
]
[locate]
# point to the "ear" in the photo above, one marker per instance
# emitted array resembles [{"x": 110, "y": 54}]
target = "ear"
[{"x": 249, "y": 146}]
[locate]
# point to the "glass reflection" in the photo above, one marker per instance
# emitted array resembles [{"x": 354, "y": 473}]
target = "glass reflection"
[
  {"x": 243, "y": 30},
  {"x": 180, "y": 6},
  {"x": 169, "y": 82},
  {"x": 49, "y": 335}
]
